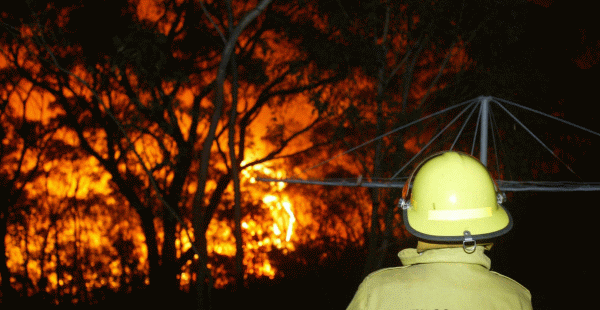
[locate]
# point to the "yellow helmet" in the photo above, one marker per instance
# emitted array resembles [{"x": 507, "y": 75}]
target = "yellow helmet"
[{"x": 454, "y": 198}]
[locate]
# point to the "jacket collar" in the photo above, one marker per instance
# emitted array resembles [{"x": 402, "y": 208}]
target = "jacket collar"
[{"x": 445, "y": 255}]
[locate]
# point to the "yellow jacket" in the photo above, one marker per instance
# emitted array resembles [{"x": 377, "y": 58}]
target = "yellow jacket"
[{"x": 447, "y": 278}]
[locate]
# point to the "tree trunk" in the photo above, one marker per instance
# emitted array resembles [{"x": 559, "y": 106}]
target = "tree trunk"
[
  {"x": 58, "y": 267},
  {"x": 375, "y": 231},
  {"x": 147, "y": 223},
  {"x": 200, "y": 215},
  {"x": 168, "y": 279},
  {"x": 203, "y": 284},
  {"x": 235, "y": 167},
  {"x": 8, "y": 292}
]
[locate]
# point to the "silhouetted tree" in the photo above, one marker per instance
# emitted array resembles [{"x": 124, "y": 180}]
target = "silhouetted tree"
[
  {"x": 125, "y": 93},
  {"x": 23, "y": 146}
]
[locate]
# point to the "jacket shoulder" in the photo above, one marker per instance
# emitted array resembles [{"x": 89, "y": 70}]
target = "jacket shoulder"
[
  {"x": 513, "y": 282},
  {"x": 387, "y": 271}
]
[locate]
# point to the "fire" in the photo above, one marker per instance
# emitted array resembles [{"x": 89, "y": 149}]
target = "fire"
[
  {"x": 414, "y": 144},
  {"x": 272, "y": 229},
  {"x": 40, "y": 246},
  {"x": 276, "y": 205}
]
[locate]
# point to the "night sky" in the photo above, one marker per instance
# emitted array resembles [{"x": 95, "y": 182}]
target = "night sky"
[
  {"x": 564, "y": 40},
  {"x": 548, "y": 250}
]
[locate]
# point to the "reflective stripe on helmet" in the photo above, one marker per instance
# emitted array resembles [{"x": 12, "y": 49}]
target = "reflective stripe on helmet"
[{"x": 455, "y": 215}]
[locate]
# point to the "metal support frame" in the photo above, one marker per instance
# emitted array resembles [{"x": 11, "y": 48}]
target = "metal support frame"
[
  {"x": 484, "y": 121},
  {"x": 484, "y": 130}
]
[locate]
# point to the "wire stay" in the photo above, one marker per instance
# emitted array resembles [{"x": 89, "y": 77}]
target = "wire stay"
[
  {"x": 387, "y": 134},
  {"x": 432, "y": 139},
  {"x": 535, "y": 137}
]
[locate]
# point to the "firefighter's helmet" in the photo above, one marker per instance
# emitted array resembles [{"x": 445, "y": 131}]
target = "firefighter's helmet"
[{"x": 454, "y": 198}]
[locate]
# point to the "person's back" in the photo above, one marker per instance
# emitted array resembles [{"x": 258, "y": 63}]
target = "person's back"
[
  {"x": 455, "y": 206},
  {"x": 447, "y": 278}
]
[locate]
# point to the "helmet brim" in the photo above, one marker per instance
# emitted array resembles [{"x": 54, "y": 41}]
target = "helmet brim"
[{"x": 498, "y": 224}]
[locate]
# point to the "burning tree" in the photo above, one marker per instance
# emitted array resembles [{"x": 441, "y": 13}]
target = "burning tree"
[
  {"x": 25, "y": 137},
  {"x": 147, "y": 102}
]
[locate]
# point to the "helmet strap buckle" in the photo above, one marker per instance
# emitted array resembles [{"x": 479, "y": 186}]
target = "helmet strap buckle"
[
  {"x": 404, "y": 204},
  {"x": 469, "y": 244},
  {"x": 501, "y": 197}
]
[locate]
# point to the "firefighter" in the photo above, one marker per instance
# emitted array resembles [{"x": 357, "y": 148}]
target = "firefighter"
[{"x": 454, "y": 209}]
